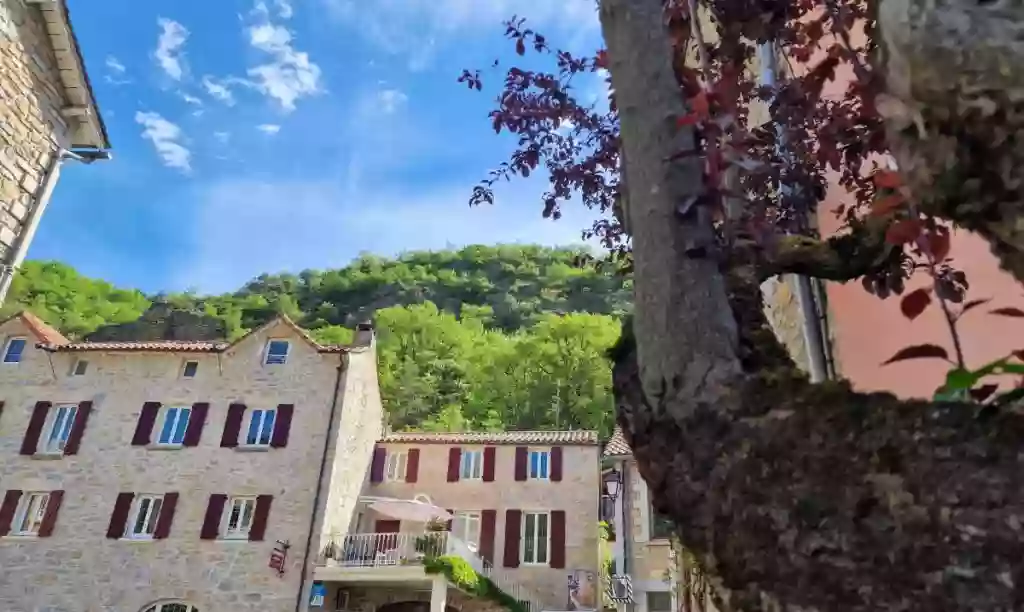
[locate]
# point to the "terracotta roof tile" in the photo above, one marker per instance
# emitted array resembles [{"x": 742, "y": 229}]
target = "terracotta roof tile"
[
  {"x": 581, "y": 437},
  {"x": 44, "y": 331},
  {"x": 142, "y": 346},
  {"x": 616, "y": 446}
]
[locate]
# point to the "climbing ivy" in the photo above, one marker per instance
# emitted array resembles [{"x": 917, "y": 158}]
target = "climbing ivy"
[{"x": 459, "y": 572}]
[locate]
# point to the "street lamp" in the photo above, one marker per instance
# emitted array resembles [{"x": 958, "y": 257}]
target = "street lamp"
[{"x": 612, "y": 483}]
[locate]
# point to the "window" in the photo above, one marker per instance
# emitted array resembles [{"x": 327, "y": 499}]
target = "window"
[
  {"x": 175, "y": 422},
  {"x": 14, "y": 349},
  {"x": 29, "y": 516},
  {"x": 659, "y": 601},
  {"x": 662, "y": 527},
  {"x": 472, "y": 465},
  {"x": 394, "y": 469},
  {"x": 239, "y": 517},
  {"x": 144, "y": 516},
  {"x": 171, "y": 607},
  {"x": 277, "y": 352},
  {"x": 189, "y": 369},
  {"x": 535, "y": 538},
  {"x": 539, "y": 461},
  {"x": 80, "y": 367},
  {"x": 261, "y": 426},
  {"x": 63, "y": 417},
  {"x": 466, "y": 527}
]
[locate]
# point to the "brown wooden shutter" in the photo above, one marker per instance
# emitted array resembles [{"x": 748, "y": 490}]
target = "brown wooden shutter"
[
  {"x": 522, "y": 457},
  {"x": 282, "y": 425},
  {"x": 144, "y": 427},
  {"x": 119, "y": 517},
  {"x": 380, "y": 454},
  {"x": 196, "y": 422},
  {"x": 35, "y": 428},
  {"x": 165, "y": 519},
  {"x": 78, "y": 428},
  {"x": 513, "y": 525},
  {"x": 454, "y": 463},
  {"x": 7, "y": 510},
  {"x": 489, "y": 455},
  {"x": 488, "y": 520},
  {"x": 214, "y": 511},
  {"x": 232, "y": 426},
  {"x": 557, "y": 539},
  {"x": 49, "y": 521},
  {"x": 556, "y": 464},
  {"x": 259, "y": 518},
  {"x": 412, "y": 465}
]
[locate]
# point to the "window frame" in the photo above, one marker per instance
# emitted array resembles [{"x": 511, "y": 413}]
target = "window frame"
[
  {"x": 162, "y": 420},
  {"x": 284, "y": 358},
  {"x": 7, "y": 349},
  {"x": 654, "y": 519},
  {"x": 473, "y": 459},
  {"x": 396, "y": 465},
  {"x": 151, "y": 517},
  {"x": 165, "y": 606},
  {"x": 251, "y": 414},
  {"x": 184, "y": 368},
  {"x": 80, "y": 363},
  {"x": 22, "y": 513},
  {"x": 535, "y": 537},
  {"x": 466, "y": 518},
  {"x": 51, "y": 425},
  {"x": 545, "y": 453},
  {"x": 226, "y": 533}
]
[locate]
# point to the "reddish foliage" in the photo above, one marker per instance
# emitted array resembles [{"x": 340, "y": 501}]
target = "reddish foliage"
[{"x": 914, "y": 303}]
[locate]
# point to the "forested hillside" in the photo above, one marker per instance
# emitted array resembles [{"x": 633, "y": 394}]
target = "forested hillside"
[{"x": 504, "y": 337}]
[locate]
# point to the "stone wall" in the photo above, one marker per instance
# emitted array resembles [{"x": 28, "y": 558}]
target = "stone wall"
[
  {"x": 79, "y": 569},
  {"x": 31, "y": 127}
]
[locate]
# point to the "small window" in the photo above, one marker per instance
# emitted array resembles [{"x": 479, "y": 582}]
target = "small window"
[
  {"x": 62, "y": 418},
  {"x": 171, "y": 607},
  {"x": 395, "y": 467},
  {"x": 80, "y": 368},
  {"x": 189, "y": 369},
  {"x": 466, "y": 527},
  {"x": 145, "y": 513},
  {"x": 261, "y": 427},
  {"x": 277, "y": 352},
  {"x": 14, "y": 349},
  {"x": 536, "y": 538},
  {"x": 662, "y": 527},
  {"x": 239, "y": 517},
  {"x": 659, "y": 601},
  {"x": 29, "y": 516},
  {"x": 472, "y": 465},
  {"x": 172, "y": 433},
  {"x": 539, "y": 462}
]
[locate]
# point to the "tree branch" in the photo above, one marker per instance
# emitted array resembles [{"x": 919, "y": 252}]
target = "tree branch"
[{"x": 860, "y": 251}]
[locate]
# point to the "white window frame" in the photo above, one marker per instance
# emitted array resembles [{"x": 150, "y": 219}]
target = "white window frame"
[
  {"x": 82, "y": 364},
  {"x": 466, "y": 525},
  {"x": 165, "y": 414},
  {"x": 252, "y": 413},
  {"x": 28, "y": 517},
  {"x": 240, "y": 531},
  {"x": 535, "y": 536},
  {"x": 283, "y": 358},
  {"x": 471, "y": 464},
  {"x": 61, "y": 427},
  {"x": 150, "y": 519},
  {"x": 7, "y": 349},
  {"x": 184, "y": 368},
  {"x": 396, "y": 465},
  {"x": 545, "y": 452}
]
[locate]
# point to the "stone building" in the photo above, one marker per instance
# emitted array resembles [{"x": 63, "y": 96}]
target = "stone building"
[{"x": 47, "y": 114}]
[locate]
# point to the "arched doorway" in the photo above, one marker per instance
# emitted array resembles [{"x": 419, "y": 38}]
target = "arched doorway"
[
  {"x": 411, "y": 606},
  {"x": 170, "y": 606}
]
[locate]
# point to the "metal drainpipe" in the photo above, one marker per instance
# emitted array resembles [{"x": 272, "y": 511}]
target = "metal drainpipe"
[{"x": 810, "y": 313}]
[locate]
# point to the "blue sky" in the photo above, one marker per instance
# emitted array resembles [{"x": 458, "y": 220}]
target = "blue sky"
[{"x": 263, "y": 136}]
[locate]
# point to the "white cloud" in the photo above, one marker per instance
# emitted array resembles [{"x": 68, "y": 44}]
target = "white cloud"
[
  {"x": 290, "y": 74},
  {"x": 191, "y": 99},
  {"x": 115, "y": 65},
  {"x": 269, "y": 128},
  {"x": 168, "y": 48},
  {"x": 391, "y": 99},
  {"x": 165, "y": 136},
  {"x": 219, "y": 90},
  {"x": 222, "y": 137},
  {"x": 284, "y": 9}
]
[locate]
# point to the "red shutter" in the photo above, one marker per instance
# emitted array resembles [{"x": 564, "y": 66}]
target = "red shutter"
[
  {"x": 144, "y": 427},
  {"x": 78, "y": 428},
  {"x": 454, "y": 461},
  {"x": 162, "y": 529},
  {"x": 489, "y": 453},
  {"x": 196, "y": 422},
  {"x": 556, "y": 464},
  {"x": 119, "y": 517},
  {"x": 35, "y": 428},
  {"x": 412, "y": 466},
  {"x": 211, "y": 522},
  {"x": 380, "y": 454},
  {"x": 513, "y": 520},
  {"x": 7, "y": 510},
  {"x": 259, "y": 518},
  {"x": 557, "y": 539},
  {"x": 50, "y": 513},
  {"x": 488, "y": 519},
  {"x": 522, "y": 456},
  {"x": 232, "y": 426},
  {"x": 282, "y": 425}
]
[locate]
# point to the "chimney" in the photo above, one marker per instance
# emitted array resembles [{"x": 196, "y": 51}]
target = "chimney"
[{"x": 364, "y": 334}]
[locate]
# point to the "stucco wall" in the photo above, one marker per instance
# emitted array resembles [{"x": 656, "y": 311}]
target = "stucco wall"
[
  {"x": 78, "y": 568},
  {"x": 650, "y": 557},
  {"x": 577, "y": 494},
  {"x": 31, "y": 127}
]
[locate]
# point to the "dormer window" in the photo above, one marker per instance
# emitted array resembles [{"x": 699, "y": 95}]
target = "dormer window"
[
  {"x": 189, "y": 369},
  {"x": 277, "y": 352},
  {"x": 14, "y": 349},
  {"x": 81, "y": 366}
]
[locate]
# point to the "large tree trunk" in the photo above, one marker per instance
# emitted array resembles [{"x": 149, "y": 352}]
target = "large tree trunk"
[{"x": 793, "y": 496}]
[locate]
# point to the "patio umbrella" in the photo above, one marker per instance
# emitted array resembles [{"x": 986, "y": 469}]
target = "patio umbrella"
[{"x": 410, "y": 510}]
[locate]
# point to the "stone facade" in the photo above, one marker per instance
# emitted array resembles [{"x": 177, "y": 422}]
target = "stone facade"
[{"x": 79, "y": 567}]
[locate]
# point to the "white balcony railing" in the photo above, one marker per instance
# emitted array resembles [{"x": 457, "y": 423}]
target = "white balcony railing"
[{"x": 397, "y": 549}]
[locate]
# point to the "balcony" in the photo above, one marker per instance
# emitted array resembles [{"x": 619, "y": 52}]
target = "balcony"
[{"x": 368, "y": 558}]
